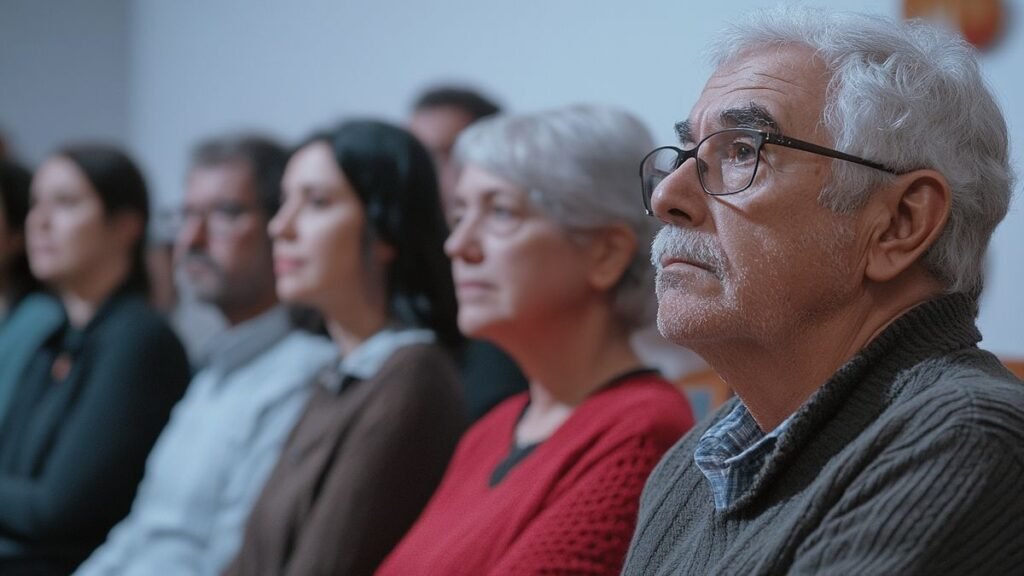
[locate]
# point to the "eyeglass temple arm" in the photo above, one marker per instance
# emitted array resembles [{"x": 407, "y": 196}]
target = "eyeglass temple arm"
[{"x": 788, "y": 142}]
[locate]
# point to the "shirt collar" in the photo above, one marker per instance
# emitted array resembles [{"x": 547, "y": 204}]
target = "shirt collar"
[
  {"x": 367, "y": 359},
  {"x": 732, "y": 452},
  {"x": 242, "y": 343}
]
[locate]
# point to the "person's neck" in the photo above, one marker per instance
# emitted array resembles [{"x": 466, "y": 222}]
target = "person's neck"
[
  {"x": 82, "y": 299},
  {"x": 352, "y": 326},
  {"x": 567, "y": 360},
  {"x": 240, "y": 312},
  {"x": 775, "y": 376}
]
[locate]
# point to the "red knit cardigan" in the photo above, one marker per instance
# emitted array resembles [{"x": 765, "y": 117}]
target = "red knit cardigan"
[{"x": 569, "y": 507}]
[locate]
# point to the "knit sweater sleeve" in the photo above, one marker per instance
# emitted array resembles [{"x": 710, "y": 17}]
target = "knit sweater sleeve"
[
  {"x": 587, "y": 528},
  {"x": 948, "y": 506}
]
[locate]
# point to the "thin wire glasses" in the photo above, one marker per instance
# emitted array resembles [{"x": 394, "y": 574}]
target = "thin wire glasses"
[{"x": 727, "y": 161}]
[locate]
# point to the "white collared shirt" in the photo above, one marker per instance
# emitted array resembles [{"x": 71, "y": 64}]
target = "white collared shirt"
[
  {"x": 211, "y": 461},
  {"x": 366, "y": 360}
]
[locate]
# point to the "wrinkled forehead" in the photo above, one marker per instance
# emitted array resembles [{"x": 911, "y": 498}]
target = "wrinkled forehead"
[
  {"x": 776, "y": 89},
  {"x": 230, "y": 181}
]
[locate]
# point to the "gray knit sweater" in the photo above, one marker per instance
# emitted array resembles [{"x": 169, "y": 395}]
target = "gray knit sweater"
[{"x": 909, "y": 460}]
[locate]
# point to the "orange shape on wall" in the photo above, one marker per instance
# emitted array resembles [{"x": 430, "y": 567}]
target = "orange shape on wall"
[{"x": 979, "y": 21}]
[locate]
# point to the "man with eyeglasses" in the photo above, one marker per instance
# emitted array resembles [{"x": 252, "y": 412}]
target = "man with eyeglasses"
[
  {"x": 225, "y": 435},
  {"x": 825, "y": 222}
]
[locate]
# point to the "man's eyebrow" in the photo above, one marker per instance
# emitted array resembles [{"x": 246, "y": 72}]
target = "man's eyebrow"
[
  {"x": 750, "y": 116},
  {"x": 684, "y": 131}
]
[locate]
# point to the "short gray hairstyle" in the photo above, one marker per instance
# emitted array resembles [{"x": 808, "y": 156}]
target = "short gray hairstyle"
[
  {"x": 580, "y": 166},
  {"x": 909, "y": 95}
]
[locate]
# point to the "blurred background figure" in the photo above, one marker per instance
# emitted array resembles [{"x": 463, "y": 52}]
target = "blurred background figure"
[
  {"x": 94, "y": 370},
  {"x": 438, "y": 116},
  {"x": 163, "y": 292},
  {"x": 360, "y": 238},
  {"x": 16, "y": 279},
  {"x": 5, "y": 153},
  {"x": 212, "y": 460},
  {"x": 551, "y": 262}
]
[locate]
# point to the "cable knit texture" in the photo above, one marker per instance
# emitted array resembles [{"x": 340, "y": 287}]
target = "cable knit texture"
[
  {"x": 909, "y": 460},
  {"x": 567, "y": 508}
]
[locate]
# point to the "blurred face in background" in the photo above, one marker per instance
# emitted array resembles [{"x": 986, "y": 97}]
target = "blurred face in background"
[
  {"x": 515, "y": 269},
  {"x": 321, "y": 254},
  {"x": 222, "y": 244},
  {"x": 438, "y": 128},
  {"x": 70, "y": 238}
]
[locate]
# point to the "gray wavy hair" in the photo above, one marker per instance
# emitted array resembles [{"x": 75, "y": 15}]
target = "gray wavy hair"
[
  {"x": 909, "y": 95},
  {"x": 580, "y": 166}
]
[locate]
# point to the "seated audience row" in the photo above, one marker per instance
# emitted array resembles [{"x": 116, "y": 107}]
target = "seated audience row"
[{"x": 829, "y": 275}]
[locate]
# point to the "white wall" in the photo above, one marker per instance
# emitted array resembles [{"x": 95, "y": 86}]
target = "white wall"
[
  {"x": 63, "y": 74},
  {"x": 198, "y": 67}
]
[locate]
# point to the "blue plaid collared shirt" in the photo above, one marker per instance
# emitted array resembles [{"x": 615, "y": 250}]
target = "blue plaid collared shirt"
[{"x": 732, "y": 452}]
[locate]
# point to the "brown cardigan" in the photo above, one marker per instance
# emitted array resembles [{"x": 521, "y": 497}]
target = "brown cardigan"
[{"x": 358, "y": 468}]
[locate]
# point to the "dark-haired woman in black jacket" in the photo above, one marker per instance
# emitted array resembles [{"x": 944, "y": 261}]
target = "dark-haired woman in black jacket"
[{"x": 88, "y": 376}]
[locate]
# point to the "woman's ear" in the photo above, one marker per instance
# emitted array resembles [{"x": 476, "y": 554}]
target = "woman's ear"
[
  {"x": 609, "y": 253},
  {"x": 909, "y": 215},
  {"x": 15, "y": 242},
  {"x": 129, "y": 228},
  {"x": 383, "y": 252}
]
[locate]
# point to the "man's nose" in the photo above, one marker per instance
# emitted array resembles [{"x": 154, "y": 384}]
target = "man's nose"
[{"x": 680, "y": 199}]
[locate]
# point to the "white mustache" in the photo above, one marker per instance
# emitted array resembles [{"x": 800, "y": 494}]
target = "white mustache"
[{"x": 682, "y": 244}]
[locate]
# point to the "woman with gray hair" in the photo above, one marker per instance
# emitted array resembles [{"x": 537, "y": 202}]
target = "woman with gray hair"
[{"x": 551, "y": 263}]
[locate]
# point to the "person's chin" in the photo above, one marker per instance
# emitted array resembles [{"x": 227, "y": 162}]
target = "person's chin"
[
  {"x": 292, "y": 291},
  {"x": 207, "y": 294},
  {"x": 483, "y": 323},
  {"x": 473, "y": 324}
]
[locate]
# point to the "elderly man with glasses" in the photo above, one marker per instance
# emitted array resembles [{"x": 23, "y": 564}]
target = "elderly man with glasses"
[{"x": 826, "y": 220}]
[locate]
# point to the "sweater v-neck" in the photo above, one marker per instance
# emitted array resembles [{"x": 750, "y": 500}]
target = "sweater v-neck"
[{"x": 519, "y": 452}]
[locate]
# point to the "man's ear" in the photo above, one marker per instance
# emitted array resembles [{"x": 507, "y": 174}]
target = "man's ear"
[
  {"x": 907, "y": 217},
  {"x": 609, "y": 252}
]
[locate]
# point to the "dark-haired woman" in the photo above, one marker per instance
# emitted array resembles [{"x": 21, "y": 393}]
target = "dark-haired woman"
[
  {"x": 91, "y": 373},
  {"x": 360, "y": 238},
  {"x": 16, "y": 280}
]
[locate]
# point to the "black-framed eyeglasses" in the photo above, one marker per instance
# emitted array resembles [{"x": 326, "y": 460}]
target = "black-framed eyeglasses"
[
  {"x": 727, "y": 161},
  {"x": 220, "y": 217}
]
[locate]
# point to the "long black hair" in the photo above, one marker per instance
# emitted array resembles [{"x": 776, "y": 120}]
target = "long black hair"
[
  {"x": 122, "y": 189},
  {"x": 14, "y": 186},
  {"x": 393, "y": 175}
]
